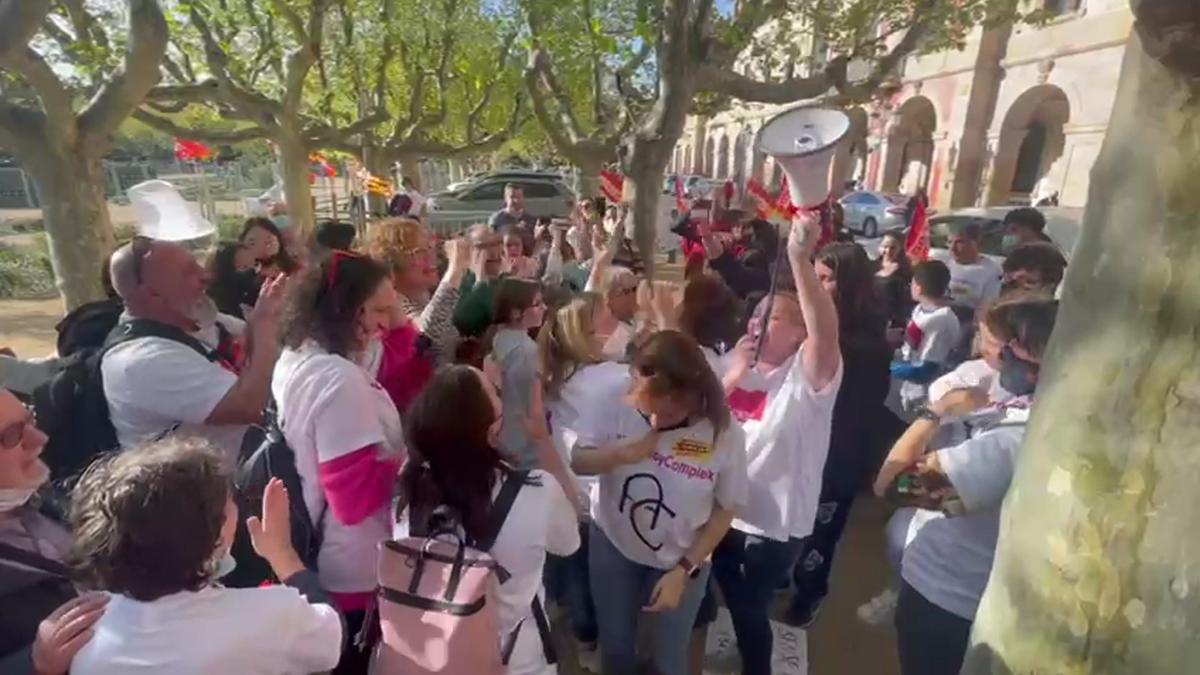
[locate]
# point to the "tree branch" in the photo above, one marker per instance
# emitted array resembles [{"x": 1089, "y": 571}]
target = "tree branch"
[
  {"x": 540, "y": 65},
  {"x": 55, "y": 98},
  {"x": 552, "y": 127},
  {"x": 19, "y": 22},
  {"x": 203, "y": 135},
  {"x": 250, "y": 104},
  {"x": 301, "y": 61},
  {"x": 731, "y": 83},
  {"x": 292, "y": 19},
  {"x": 143, "y": 54}
]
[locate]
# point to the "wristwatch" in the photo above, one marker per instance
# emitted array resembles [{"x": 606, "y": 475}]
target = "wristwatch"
[
  {"x": 927, "y": 413},
  {"x": 689, "y": 568}
]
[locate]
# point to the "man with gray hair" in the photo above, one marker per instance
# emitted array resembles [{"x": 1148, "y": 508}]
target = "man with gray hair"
[{"x": 155, "y": 385}]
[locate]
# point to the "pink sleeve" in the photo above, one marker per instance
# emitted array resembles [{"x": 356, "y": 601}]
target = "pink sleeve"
[{"x": 357, "y": 484}]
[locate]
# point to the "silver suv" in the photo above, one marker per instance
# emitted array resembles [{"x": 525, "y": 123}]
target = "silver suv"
[{"x": 544, "y": 198}]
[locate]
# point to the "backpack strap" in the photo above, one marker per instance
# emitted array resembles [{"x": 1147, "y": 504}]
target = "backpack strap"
[
  {"x": 134, "y": 329},
  {"x": 37, "y": 561},
  {"x": 513, "y": 482}
]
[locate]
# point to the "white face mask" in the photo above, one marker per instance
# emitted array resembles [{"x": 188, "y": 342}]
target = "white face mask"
[{"x": 11, "y": 498}]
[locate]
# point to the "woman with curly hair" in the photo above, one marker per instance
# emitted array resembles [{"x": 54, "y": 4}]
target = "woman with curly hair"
[
  {"x": 404, "y": 245},
  {"x": 153, "y": 527},
  {"x": 343, "y": 427}
]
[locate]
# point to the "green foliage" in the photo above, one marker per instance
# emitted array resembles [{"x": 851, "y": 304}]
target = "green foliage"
[{"x": 25, "y": 272}]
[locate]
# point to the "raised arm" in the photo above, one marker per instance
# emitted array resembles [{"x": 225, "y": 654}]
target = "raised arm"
[{"x": 822, "y": 354}]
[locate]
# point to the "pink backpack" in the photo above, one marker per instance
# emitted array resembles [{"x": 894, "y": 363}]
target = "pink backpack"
[{"x": 434, "y": 615}]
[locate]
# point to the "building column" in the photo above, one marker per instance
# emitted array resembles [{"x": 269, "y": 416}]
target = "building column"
[{"x": 1008, "y": 147}]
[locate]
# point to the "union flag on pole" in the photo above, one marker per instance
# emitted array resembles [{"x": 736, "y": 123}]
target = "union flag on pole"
[
  {"x": 611, "y": 186},
  {"x": 917, "y": 243}
]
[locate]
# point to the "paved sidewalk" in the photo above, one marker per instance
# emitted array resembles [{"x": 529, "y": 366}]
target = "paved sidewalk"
[{"x": 27, "y": 326}]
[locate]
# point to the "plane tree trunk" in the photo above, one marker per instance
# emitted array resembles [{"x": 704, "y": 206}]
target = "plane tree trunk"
[{"x": 1098, "y": 564}]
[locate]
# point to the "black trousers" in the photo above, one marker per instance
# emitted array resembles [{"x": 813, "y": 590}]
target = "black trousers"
[
  {"x": 811, "y": 573},
  {"x": 931, "y": 640}
]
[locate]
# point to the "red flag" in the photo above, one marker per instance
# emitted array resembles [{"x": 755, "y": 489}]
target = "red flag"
[
  {"x": 763, "y": 204},
  {"x": 611, "y": 185},
  {"x": 784, "y": 203},
  {"x": 191, "y": 151},
  {"x": 917, "y": 243},
  {"x": 680, "y": 199}
]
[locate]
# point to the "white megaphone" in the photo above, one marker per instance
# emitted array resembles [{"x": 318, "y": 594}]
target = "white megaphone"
[{"x": 803, "y": 141}]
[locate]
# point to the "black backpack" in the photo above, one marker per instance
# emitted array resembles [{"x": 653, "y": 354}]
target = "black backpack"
[
  {"x": 71, "y": 408},
  {"x": 88, "y": 326},
  {"x": 265, "y": 455}
]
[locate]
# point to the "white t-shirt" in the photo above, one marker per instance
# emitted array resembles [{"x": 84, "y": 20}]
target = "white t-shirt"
[
  {"x": 249, "y": 631},
  {"x": 975, "y": 284},
  {"x": 931, "y": 335},
  {"x": 599, "y": 384},
  {"x": 332, "y": 407},
  {"x": 652, "y": 510},
  {"x": 541, "y": 521},
  {"x": 155, "y": 385},
  {"x": 787, "y": 425},
  {"x": 970, "y": 374},
  {"x": 950, "y": 559}
]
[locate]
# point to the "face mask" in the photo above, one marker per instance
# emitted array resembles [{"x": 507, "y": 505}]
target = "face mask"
[
  {"x": 11, "y": 498},
  {"x": 1017, "y": 376},
  {"x": 282, "y": 222},
  {"x": 1009, "y": 242}
]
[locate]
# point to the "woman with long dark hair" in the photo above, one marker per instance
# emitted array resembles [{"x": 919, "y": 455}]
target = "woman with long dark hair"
[
  {"x": 343, "y": 428},
  {"x": 266, "y": 243},
  {"x": 232, "y": 281},
  {"x": 709, "y": 313},
  {"x": 846, "y": 273},
  {"x": 892, "y": 280},
  {"x": 452, "y": 429},
  {"x": 672, "y": 467}
]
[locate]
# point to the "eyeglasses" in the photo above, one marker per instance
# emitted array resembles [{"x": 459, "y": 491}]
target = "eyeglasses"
[
  {"x": 13, "y": 434},
  {"x": 140, "y": 247}
]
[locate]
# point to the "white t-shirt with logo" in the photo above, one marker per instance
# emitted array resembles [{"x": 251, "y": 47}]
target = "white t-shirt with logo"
[
  {"x": 653, "y": 510},
  {"x": 155, "y": 385},
  {"x": 950, "y": 560},
  {"x": 541, "y": 521},
  {"x": 332, "y": 407},
  {"x": 787, "y": 425},
  {"x": 250, "y": 631},
  {"x": 975, "y": 284}
]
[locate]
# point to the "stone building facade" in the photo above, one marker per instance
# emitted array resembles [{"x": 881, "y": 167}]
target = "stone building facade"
[{"x": 983, "y": 126}]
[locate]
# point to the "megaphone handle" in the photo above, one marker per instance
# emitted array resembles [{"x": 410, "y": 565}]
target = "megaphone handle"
[{"x": 766, "y": 317}]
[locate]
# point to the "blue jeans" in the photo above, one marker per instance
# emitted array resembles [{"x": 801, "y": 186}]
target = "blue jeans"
[
  {"x": 620, "y": 588},
  {"x": 567, "y": 583},
  {"x": 749, "y": 569}
]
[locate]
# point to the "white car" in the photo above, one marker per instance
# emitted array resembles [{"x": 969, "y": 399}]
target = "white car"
[
  {"x": 1063, "y": 225},
  {"x": 544, "y": 198}
]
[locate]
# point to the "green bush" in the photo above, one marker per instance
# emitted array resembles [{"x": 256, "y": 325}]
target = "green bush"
[{"x": 25, "y": 273}]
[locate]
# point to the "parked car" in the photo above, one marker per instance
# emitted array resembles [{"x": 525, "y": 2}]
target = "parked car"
[
  {"x": 870, "y": 213},
  {"x": 509, "y": 174},
  {"x": 544, "y": 197},
  {"x": 1063, "y": 224},
  {"x": 693, "y": 185}
]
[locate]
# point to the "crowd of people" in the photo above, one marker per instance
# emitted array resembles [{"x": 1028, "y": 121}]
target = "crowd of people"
[{"x": 661, "y": 449}]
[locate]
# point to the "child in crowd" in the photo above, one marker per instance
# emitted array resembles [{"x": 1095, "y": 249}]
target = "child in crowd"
[
  {"x": 512, "y": 365},
  {"x": 931, "y": 335}
]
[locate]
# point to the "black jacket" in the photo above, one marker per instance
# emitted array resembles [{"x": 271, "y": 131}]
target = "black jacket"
[{"x": 31, "y": 587}]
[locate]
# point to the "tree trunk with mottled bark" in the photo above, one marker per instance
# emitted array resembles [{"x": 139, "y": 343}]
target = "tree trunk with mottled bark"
[
  {"x": 410, "y": 168},
  {"x": 1098, "y": 564},
  {"x": 293, "y": 155},
  {"x": 78, "y": 228},
  {"x": 589, "y": 179}
]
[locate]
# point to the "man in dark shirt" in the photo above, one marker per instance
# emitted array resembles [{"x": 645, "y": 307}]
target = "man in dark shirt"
[{"x": 513, "y": 212}]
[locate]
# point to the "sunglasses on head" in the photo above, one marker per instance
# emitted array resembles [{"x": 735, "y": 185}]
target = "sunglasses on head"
[{"x": 140, "y": 247}]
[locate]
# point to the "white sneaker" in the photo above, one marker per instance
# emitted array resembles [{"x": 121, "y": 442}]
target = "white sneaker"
[{"x": 880, "y": 610}]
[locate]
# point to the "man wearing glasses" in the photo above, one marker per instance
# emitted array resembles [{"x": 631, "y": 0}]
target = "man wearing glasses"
[{"x": 156, "y": 385}]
